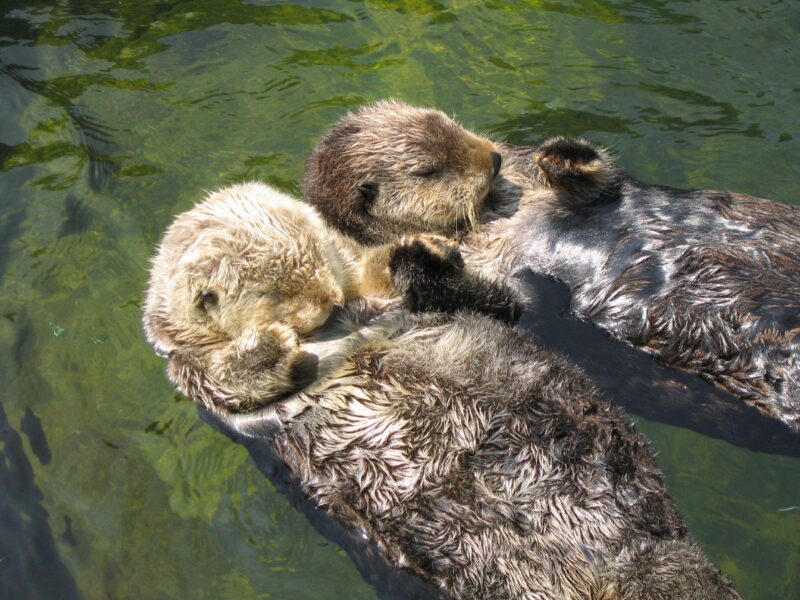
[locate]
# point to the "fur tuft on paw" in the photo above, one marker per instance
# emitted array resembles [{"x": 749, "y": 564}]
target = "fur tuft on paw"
[{"x": 576, "y": 166}]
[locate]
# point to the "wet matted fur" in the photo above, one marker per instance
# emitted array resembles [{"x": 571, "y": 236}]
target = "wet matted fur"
[
  {"x": 703, "y": 280},
  {"x": 469, "y": 454},
  {"x": 481, "y": 461}
]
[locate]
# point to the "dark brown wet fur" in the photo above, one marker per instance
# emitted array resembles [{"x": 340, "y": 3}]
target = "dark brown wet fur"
[
  {"x": 431, "y": 278},
  {"x": 431, "y": 177},
  {"x": 495, "y": 469},
  {"x": 704, "y": 280}
]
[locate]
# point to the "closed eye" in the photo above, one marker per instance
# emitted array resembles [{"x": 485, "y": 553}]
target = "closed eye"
[
  {"x": 273, "y": 294},
  {"x": 427, "y": 172}
]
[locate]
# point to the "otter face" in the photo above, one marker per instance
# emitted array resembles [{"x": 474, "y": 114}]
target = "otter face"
[
  {"x": 236, "y": 282},
  {"x": 392, "y": 169}
]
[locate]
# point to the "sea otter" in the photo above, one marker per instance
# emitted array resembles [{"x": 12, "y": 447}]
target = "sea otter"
[
  {"x": 239, "y": 280},
  {"x": 469, "y": 454},
  {"x": 703, "y": 280}
]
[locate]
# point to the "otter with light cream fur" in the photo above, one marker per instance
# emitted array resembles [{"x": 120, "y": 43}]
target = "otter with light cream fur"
[
  {"x": 471, "y": 456},
  {"x": 239, "y": 280}
]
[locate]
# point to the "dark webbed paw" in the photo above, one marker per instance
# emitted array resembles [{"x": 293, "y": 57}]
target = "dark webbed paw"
[
  {"x": 429, "y": 273},
  {"x": 576, "y": 166},
  {"x": 422, "y": 267}
]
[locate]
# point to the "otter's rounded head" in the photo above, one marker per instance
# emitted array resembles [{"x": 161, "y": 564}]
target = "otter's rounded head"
[
  {"x": 236, "y": 282},
  {"x": 391, "y": 169}
]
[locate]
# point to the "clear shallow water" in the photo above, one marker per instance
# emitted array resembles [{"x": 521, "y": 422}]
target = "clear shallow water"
[{"x": 114, "y": 116}]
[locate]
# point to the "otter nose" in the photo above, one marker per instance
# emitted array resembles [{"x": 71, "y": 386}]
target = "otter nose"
[{"x": 496, "y": 162}]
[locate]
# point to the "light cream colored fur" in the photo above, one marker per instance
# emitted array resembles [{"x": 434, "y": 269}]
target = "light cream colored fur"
[{"x": 239, "y": 280}]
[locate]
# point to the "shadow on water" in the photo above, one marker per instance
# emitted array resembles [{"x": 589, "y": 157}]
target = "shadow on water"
[
  {"x": 78, "y": 217},
  {"x": 633, "y": 380},
  {"x": 389, "y": 582},
  {"x": 10, "y": 226},
  {"x": 30, "y": 567}
]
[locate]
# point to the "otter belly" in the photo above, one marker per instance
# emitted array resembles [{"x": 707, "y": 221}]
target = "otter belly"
[
  {"x": 707, "y": 282},
  {"x": 485, "y": 464}
]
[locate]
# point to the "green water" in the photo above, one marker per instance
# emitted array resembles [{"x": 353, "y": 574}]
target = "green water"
[{"x": 116, "y": 115}]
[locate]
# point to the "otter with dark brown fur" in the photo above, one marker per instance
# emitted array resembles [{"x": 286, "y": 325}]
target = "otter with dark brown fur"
[
  {"x": 414, "y": 167},
  {"x": 703, "y": 280},
  {"x": 470, "y": 455}
]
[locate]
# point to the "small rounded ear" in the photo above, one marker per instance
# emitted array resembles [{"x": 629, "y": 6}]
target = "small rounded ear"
[
  {"x": 368, "y": 191},
  {"x": 334, "y": 183},
  {"x": 207, "y": 299},
  {"x": 358, "y": 221}
]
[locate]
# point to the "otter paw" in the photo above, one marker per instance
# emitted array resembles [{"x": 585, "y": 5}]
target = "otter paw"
[
  {"x": 285, "y": 336},
  {"x": 257, "y": 350},
  {"x": 421, "y": 266},
  {"x": 427, "y": 255},
  {"x": 429, "y": 250},
  {"x": 573, "y": 164}
]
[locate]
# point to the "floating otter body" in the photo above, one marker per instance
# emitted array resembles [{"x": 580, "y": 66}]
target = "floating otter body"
[
  {"x": 480, "y": 461},
  {"x": 704, "y": 281},
  {"x": 469, "y": 454}
]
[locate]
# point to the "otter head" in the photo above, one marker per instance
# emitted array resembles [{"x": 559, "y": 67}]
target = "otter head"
[
  {"x": 391, "y": 169},
  {"x": 235, "y": 284}
]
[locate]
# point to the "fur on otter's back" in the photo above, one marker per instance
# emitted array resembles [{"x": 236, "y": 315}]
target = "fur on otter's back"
[{"x": 705, "y": 281}]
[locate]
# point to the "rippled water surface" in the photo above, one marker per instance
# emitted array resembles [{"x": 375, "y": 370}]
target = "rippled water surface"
[{"x": 114, "y": 116}]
